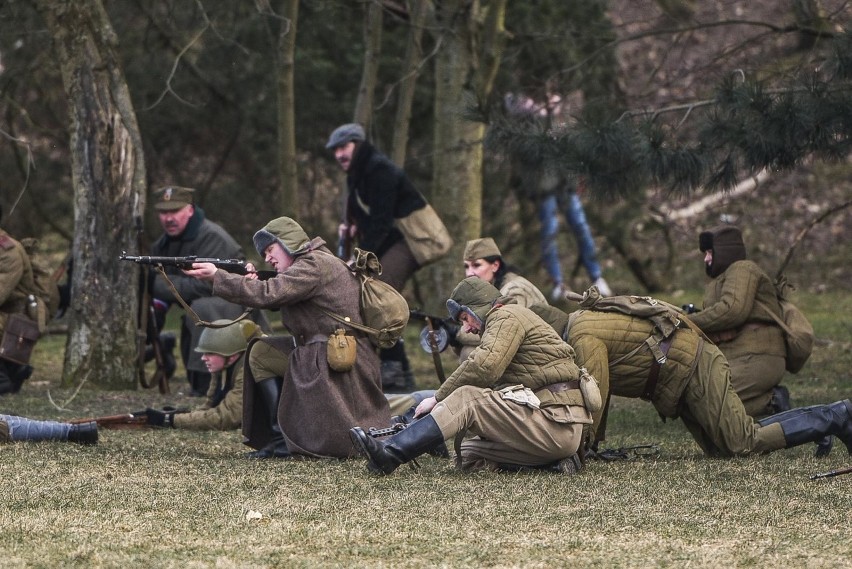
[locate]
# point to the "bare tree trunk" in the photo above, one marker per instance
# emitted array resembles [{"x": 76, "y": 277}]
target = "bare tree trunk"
[
  {"x": 413, "y": 55},
  {"x": 108, "y": 173},
  {"x": 464, "y": 75},
  {"x": 373, "y": 48},
  {"x": 287, "y": 171}
]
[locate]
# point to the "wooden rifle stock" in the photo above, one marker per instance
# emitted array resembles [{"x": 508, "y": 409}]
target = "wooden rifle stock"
[{"x": 135, "y": 420}]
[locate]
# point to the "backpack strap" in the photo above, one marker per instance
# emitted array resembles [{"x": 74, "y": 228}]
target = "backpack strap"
[{"x": 775, "y": 317}]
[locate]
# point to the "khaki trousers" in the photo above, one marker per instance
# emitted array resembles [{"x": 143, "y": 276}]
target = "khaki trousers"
[
  {"x": 266, "y": 362},
  {"x": 506, "y": 432},
  {"x": 715, "y": 416}
]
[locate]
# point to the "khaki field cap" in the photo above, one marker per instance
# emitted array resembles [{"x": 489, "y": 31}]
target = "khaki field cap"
[
  {"x": 480, "y": 249},
  {"x": 173, "y": 198}
]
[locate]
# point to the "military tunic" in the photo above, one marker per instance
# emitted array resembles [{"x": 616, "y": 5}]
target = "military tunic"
[
  {"x": 201, "y": 238},
  {"x": 223, "y": 409},
  {"x": 746, "y": 334},
  {"x": 694, "y": 382},
  {"x": 318, "y": 406},
  {"x": 519, "y": 355}
]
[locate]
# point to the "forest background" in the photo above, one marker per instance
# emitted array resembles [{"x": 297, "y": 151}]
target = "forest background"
[{"x": 665, "y": 107}]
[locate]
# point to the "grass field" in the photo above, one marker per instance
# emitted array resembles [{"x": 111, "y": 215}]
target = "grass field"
[{"x": 165, "y": 498}]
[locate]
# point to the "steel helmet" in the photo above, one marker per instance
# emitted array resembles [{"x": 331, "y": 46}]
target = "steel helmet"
[{"x": 228, "y": 340}]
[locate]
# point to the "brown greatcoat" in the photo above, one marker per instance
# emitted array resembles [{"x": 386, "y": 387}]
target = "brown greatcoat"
[{"x": 318, "y": 406}]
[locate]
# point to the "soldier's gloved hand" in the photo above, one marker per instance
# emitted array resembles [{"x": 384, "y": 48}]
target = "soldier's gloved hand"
[
  {"x": 689, "y": 308},
  {"x": 164, "y": 417}
]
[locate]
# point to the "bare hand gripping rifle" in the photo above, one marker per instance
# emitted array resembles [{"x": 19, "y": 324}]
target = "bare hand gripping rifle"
[{"x": 236, "y": 266}]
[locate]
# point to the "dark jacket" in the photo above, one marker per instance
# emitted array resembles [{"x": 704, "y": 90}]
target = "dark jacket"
[
  {"x": 379, "y": 193},
  {"x": 202, "y": 238}
]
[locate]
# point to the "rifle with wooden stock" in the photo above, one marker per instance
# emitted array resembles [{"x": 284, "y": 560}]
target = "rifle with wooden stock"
[
  {"x": 134, "y": 420},
  {"x": 237, "y": 266},
  {"x": 832, "y": 473}
]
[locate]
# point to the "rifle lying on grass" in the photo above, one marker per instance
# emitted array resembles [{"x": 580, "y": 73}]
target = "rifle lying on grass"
[
  {"x": 832, "y": 473},
  {"x": 135, "y": 420},
  {"x": 236, "y": 266}
]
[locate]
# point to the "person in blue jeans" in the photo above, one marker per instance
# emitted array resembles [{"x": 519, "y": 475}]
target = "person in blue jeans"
[
  {"x": 14, "y": 428},
  {"x": 568, "y": 201}
]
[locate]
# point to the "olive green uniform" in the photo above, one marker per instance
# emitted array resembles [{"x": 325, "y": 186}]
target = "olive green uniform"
[
  {"x": 693, "y": 383},
  {"x": 514, "y": 286},
  {"x": 745, "y": 332},
  {"x": 223, "y": 409},
  {"x": 519, "y": 356}
]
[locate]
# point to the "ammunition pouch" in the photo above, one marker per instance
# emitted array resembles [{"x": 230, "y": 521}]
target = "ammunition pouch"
[{"x": 19, "y": 339}]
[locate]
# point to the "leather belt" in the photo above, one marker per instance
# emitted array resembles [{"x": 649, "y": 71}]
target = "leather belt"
[
  {"x": 564, "y": 386},
  {"x": 301, "y": 340},
  {"x": 654, "y": 373}
]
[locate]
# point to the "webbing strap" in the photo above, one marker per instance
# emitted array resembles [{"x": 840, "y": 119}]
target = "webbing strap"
[{"x": 195, "y": 318}]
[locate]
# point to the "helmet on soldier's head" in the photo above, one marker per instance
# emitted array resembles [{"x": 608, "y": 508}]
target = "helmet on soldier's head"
[{"x": 228, "y": 340}]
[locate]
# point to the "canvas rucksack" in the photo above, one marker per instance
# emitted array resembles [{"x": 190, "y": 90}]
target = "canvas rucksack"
[
  {"x": 383, "y": 309},
  {"x": 798, "y": 331},
  {"x": 666, "y": 317}
]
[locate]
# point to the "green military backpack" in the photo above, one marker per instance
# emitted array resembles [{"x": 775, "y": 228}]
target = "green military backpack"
[
  {"x": 798, "y": 331},
  {"x": 383, "y": 309}
]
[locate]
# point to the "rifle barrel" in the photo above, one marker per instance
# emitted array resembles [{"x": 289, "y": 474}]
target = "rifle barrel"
[{"x": 832, "y": 473}]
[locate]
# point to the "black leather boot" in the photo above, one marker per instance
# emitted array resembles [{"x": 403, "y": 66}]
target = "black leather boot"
[
  {"x": 814, "y": 423},
  {"x": 199, "y": 383},
  {"x": 383, "y": 457},
  {"x": 84, "y": 433},
  {"x": 439, "y": 450},
  {"x": 270, "y": 392}
]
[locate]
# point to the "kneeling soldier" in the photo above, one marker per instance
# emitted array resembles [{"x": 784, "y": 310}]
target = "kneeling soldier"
[{"x": 518, "y": 393}]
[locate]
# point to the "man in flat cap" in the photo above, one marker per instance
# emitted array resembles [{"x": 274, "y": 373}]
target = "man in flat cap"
[
  {"x": 186, "y": 231},
  {"x": 380, "y": 194}
]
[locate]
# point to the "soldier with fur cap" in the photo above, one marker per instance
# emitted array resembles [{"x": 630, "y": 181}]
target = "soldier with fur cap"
[
  {"x": 518, "y": 393},
  {"x": 734, "y": 319},
  {"x": 294, "y": 403},
  {"x": 187, "y": 231}
]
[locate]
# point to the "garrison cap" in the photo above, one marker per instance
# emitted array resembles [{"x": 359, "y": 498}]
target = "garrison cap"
[
  {"x": 480, "y": 249},
  {"x": 173, "y": 198},
  {"x": 345, "y": 133}
]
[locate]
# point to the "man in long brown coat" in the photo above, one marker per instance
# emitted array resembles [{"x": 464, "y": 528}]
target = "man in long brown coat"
[
  {"x": 314, "y": 406},
  {"x": 518, "y": 393}
]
